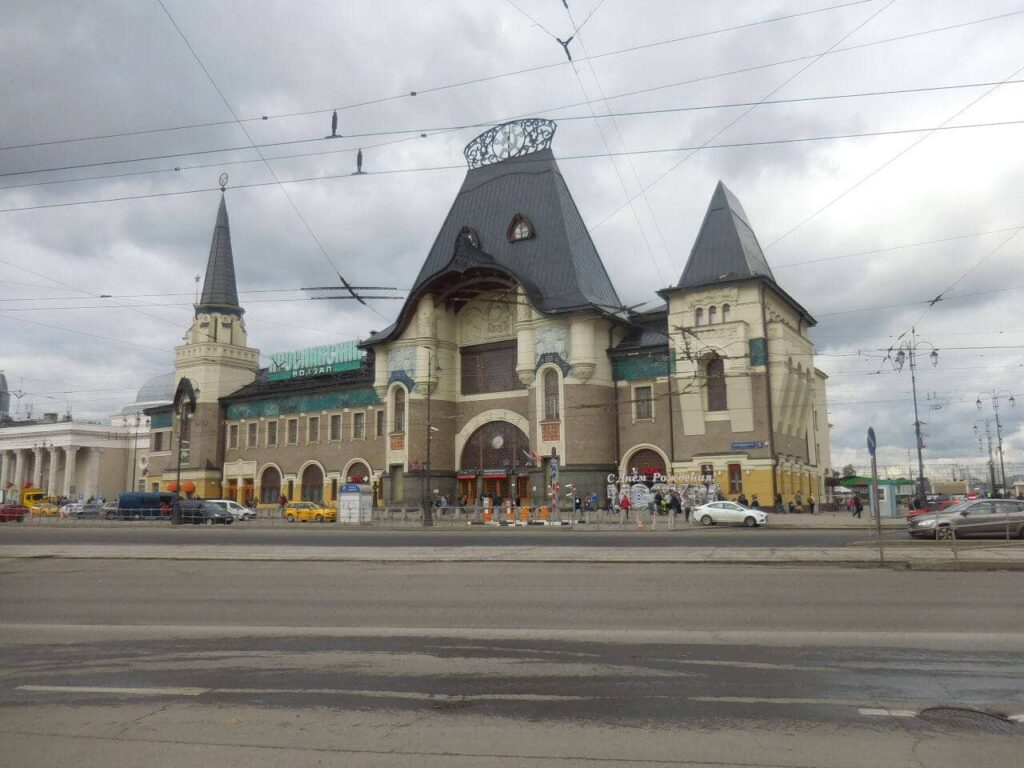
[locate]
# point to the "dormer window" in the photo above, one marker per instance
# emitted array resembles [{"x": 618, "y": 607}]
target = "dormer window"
[
  {"x": 520, "y": 228},
  {"x": 470, "y": 234}
]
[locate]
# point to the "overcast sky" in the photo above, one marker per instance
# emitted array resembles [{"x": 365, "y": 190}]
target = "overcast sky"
[{"x": 91, "y": 69}]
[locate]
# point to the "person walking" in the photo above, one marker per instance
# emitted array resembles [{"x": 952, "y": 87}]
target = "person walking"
[
  {"x": 810, "y": 504},
  {"x": 798, "y": 501},
  {"x": 858, "y": 506},
  {"x": 624, "y": 505},
  {"x": 778, "y": 504},
  {"x": 675, "y": 507},
  {"x": 743, "y": 500},
  {"x": 281, "y": 503},
  {"x": 754, "y": 503},
  {"x": 852, "y": 505}
]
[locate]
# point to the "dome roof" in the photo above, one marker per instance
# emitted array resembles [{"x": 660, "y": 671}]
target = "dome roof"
[{"x": 159, "y": 389}]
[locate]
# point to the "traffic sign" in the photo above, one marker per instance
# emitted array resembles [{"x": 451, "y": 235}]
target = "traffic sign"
[{"x": 871, "y": 441}]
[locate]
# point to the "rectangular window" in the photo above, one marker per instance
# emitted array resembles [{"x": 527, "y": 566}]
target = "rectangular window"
[
  {"x": 358, "y": 426},
  {"x": 735, "y": 479},
  {"x": 271, "y": 433},
  {"x": 644, "y": 399},
  {"x": 313, "y": 429},
  {"x": 335, "y": 426},
  {"x": 380, "y": 424},
  {"x": 232, "y": 436},
  {"x": 334, "y": 490},
  {"x": 489, "y": 368},
  {"x": 254, "y": 435},
  {"x": 293, "y": 432},
  {"x": 158, "y": 442}
]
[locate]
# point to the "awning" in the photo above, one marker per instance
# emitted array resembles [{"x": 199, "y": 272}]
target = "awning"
[
  {"x": 495, "y": 476},
  {"x": 466, "y": 477}
]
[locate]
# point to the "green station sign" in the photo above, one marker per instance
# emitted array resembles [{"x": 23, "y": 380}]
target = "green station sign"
[{"x": 315, "y": 361}]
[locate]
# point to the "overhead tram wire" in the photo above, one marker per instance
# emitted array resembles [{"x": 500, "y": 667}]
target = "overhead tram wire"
[
  {"x": 273, "y": 175},
  {"x": 586, "y": 156},
  {"x": 738, "y": 118},
  {"x": 632, "y": 165},
  {"x": 890, "y": 161},
  {"x": 412, "y": 134},
  {"x": 437, "y": 88}
]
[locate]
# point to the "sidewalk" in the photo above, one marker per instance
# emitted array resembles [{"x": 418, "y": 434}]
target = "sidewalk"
[{"x": 996, "y": 557}]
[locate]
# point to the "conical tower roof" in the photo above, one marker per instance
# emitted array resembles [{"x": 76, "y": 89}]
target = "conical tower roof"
[
  {"x": 219, "y": 291},
  {"x": 726, "y": 247}
]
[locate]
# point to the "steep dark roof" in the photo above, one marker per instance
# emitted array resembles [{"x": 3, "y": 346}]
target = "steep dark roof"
[
  {"x": 650, "y": 329},
  {"x": 560, "y": 261},
  {"x": 219, "y": 291},
  {"x": 726, "y": 247}
]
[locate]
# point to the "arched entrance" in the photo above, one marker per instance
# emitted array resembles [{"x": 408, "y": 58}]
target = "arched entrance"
[
  {"x": 358, "y": 472},
  {"x": 498, "y": 455},
  {"x": 270, "y": 486},
  {"x": 313, "y": 483},
  {"x": 644, "y": 471}
]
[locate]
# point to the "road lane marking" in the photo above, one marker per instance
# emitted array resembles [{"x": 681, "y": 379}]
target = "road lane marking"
[
  {"x": 1016, "y": 718},
  {"x": 110, "y": 690},
  {"x": 887, "y": 712}
]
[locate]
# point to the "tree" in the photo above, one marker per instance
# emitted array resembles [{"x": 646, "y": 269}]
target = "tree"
[{"x": 849, "y": 470}]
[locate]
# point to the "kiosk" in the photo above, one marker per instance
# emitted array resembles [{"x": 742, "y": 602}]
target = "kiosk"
[{"x": 355, "y": 504}]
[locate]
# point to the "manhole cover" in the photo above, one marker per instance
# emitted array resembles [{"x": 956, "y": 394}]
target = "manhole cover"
[
  {"x": 450, "y": 705},
  {"x": 957, "y": 717}
]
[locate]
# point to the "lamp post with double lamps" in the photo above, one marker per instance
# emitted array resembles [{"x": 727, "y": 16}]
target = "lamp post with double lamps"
[
  {"x": 991, "y": 463},
  {"x": 994, "y": 397},
  {"x": 904, "y": 350}
]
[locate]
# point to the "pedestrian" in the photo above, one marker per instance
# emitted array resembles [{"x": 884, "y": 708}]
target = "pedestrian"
[
  {"x": 658, "y": 499},
  {"x": 281, "y": 503},
  {"x": 778, "y": 504},
  {"x": 754, "y": 503},
  {"x": 593, "y": 500},
  {"x": 743, "y": 500},
  {"x": 851, "y": 505},
  {"x": 675, "y": 507},
  {"x": 577, "y": 504},
  {"x": 624, "y": 505},
  {"x": 810, "y": 504},
  {"x": 858, "y": 506}
]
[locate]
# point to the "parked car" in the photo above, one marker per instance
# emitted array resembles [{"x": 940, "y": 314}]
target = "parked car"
[
  {"x": 308, "y": 511},
  {"x": 12, "y": 513},
  {"x": 44, "y": 509},
  {"x": 197, "y": 511},
  {"x": 80, "y": 510},
  {"x": 237, "y": 510},
  {"x": 718, "y": 512},
  {"x": 977, "y": 517},
  {"x": 110, "y": 510},
  {"x": 145, "y": 506}
]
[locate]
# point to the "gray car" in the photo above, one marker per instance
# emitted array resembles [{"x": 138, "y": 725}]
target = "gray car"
[{"x": 981, "y": 517}]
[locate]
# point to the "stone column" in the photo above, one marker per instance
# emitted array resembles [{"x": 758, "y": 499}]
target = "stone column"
[
  {"x": 51, "y": 484},
  {"x": 70, "y": 455},
  {"x": 19, "y": 467},
  {"x": 37, "y": 467},
  {"x": 92, "y": 472},
  {"x": 5, "y": 471}
]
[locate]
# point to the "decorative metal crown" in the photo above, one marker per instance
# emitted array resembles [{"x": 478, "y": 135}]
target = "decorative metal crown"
[{"x": 512, "y": 139}]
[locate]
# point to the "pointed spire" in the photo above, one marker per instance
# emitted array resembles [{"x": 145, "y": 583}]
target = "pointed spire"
[
  {"x": 726, "y": 247},
  {"x": 219, "y": 291}
]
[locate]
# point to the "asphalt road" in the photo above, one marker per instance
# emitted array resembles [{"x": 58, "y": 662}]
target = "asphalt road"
[
  {"x": 141, "y": 533},
  {"x": 239, "y": 663}
]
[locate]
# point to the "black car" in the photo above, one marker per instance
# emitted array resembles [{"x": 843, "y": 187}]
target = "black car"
[{"x": 196, "y": 511}]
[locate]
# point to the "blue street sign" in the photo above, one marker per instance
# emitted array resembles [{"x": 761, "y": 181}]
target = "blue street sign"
[{"x": 871, "y": 441}]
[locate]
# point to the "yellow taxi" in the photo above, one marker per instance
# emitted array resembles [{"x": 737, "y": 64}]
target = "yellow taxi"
[
  {"x": 44, "y": 509},
  {"x": 308, "y": 512}
]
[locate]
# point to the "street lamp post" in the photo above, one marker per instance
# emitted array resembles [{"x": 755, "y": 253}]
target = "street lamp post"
[
  {"x": 903, "y": 351},
  {"x": 991, "y": 462},
  {"x": 994, "y": 397},
  {"x": 426, "y": 494},
  {"x": 134, "y": 446}
]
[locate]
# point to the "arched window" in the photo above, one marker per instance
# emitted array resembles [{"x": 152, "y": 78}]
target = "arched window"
[
  {"x": 520, "y": 228},
  {"x": 725, "y": 313},
  {"x": 470, "y": 234},
  {"x": 358, "y": 473},
  {"x": 270, "y": 486},
  {"x": 551, "y": 401},
  {"x": 698, "y": 317},
  {"x": 398, "y": 410},
  {"x": 712, "y": 315},
  {"x": 715, "y": 374},
  {"x": 312, "y": 483}
]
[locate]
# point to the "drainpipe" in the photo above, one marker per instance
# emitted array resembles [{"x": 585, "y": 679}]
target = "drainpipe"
[{"x": 768, "y": 384}]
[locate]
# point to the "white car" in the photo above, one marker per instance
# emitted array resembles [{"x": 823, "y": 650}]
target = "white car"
[
  {"x": 716, "y": 512},
  {"x": 238, "y": 512}
]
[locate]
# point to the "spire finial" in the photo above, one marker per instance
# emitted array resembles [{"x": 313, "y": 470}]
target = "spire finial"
[{"x": 223, "y": 181}]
